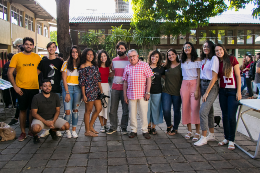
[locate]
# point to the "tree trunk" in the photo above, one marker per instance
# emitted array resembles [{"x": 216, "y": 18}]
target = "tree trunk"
[{"x": 63, "y": 36}]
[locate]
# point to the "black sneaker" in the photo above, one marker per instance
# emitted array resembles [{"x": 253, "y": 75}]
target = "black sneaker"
[
  {"x": 124, "y": 131},
  {"x": 53, "y": 135},
  {"x": 132, "y": 135},
  {"x": 111, "y": 131},
  {"x": 36, "y": 139},
  {"x": 13, "y": 122}
]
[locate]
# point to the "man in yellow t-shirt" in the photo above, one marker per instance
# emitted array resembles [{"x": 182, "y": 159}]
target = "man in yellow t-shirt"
[{"x": 26, "y": 83}]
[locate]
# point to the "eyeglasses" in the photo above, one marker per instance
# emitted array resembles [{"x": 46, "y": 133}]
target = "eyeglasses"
[{"x": 187, "y": 47}]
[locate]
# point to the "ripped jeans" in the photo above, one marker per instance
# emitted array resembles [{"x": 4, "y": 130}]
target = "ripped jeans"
[{"x": 75, "y": 96}]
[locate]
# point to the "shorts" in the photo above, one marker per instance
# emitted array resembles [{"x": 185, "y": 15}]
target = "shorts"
[
  {"x": 25, "y": 100},
  {"x": 58, "y": 123}
]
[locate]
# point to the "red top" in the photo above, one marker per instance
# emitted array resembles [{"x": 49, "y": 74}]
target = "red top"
[
  {"x": 228, "y": 82},
  {"x": 104, "y": 72},
  {"x": 247, "y": 70}
]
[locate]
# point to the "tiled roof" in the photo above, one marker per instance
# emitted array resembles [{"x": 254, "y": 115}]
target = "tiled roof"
[{"x": 126, "y": 18}]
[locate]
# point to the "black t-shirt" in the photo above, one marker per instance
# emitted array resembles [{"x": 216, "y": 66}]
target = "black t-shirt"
[
  {"x": 46, "y": 106},
  {"x": 51, "y": 69},
  {"x": 156, "y": 87}
]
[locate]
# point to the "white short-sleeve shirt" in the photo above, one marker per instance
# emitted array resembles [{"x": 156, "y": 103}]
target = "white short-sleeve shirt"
[
  {"x": 189, "y": 69},
  {"x": 208, "y": 67}
]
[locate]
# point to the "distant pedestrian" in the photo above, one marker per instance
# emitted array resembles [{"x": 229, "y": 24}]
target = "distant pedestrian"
[
  {"x": 257, "y": 74},
  {"x": 137, "y": 83},
  {"x": 249, "y": 60}
]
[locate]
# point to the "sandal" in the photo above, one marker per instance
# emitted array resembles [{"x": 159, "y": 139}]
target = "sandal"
[
  {"x": 188, "y": 135},
  {"x": 153, "y": 131},
  {"x": 149, "y": 129},
  {"x": 94, "y": 131},
  {"x": 224, "y": 142},
  {"x": 90, "y": 133},
  {"x": 168, "y": 131},
  {"x": 173, "y": 132},
  {"x": 231, "y": 145},
  {"x": 196, "y": 137}
]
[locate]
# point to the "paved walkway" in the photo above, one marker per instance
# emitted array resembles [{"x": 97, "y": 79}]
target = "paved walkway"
[{"x": 118, "y": 153}]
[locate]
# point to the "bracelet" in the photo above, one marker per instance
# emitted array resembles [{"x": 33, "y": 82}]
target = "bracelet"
[
  {"x": 67, "y": 92},
  {"x": 147, "y": 93}
]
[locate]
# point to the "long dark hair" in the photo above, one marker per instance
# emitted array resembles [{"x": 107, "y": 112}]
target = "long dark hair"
[
  {"x": 211, "y": 50},
  {"x": 194, "y": 55},
  {"x": 83, "y": 58},
  {"x": 168, "y": 62},
  {"x": 152, "y": 53},
  {"x": 70, "y": 65},
  {"x": 227, "y": 66},
  {"x": 251, "y": 58},
  {"x": 107, "y": 63}
]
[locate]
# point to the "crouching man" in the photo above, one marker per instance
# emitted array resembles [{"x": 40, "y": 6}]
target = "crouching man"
[{"x": 46, "y": 111}]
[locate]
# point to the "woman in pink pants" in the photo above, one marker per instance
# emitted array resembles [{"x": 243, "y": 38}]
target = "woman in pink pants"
[{"x": 190, "y": 91}]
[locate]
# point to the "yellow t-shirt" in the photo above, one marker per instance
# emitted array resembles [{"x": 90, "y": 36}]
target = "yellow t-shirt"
[
  {"x": 26, "y": 68},
  {"x": 72, "y": 77}
]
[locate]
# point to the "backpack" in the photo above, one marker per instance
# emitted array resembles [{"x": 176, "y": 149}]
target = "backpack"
[{"x": 252, "y": 71}]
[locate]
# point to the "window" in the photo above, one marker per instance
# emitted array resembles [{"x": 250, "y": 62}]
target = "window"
[
  {"x": 249, "y": 37},
  {"x": 14, "y": 15},
  {"x": 240, "y": 37},
  {"x": 192, "y": 37},
  {"x": 202, "y": 36},
  {"x": 257, "y": 37},
  {"x": 182, "y": 39},
  {"x": 21, "y": 19},
  {"x": 3, "y": 10},
  {"x": 230, "y": 37},
  {"x": 173, "y": 40},
  {"x": 163, "y": 39},
  {"x": 26, "y": 21},
  {"x": 39, "y": 28},
  {"x": 241, "y": 53},
  {"x": 45, "y": 31},
  {"x": 221, "y": 36},
  {"x": 212, "y": 36}
]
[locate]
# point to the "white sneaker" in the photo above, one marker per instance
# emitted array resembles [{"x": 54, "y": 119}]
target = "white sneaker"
[
  {"x": 211, "y": 137},
  {"x": 202, "y": 141},
  {"x": 58, "y": 133},
  {"x": 44, "y": 133},
  {"x": 102, "y": 129},
  {"x": 68, "y": 133},
  {"x": 74, "y": 134}
]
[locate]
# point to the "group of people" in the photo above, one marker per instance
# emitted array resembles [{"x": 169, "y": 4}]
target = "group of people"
[{"x": 136, "y": 84}]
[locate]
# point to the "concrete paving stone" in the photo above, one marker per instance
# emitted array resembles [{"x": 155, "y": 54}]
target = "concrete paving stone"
[
  {"x": 57, "y": 163},
  {"x": 99, "y": 138},
  {"x": 77, "y": 162},
  {"x": 75, "y": 169},
  {"x": 62, "y": 150},
  {"x": 54, "y": 170},
  {"x": 155, "y": 160},
  {"x": 117, "y": 161},
  {"x": 49, "y": 145},
  {"x": 161, "y": 168},
  {"x": 114, "y": 143},
  {"x": 139, "y": 168},
  {"x": 4, "y": 146},
  {"x": 60, "y": 156},
  {"x": 194, "y": 158},
  {"x": 174, "y": 159},
  {"x": 91, "y": 169},
  {"x": 16, "y": 146},
  {"x": 14, "y": 170},
  {"x": 99, "y": 144},
  {"x": 81, "y": 150},
  {"x": 82, "y": 144},
  {"x": 84, "y": 139},
  {"x": 2, "y": 164},
  {"x": 137, "y": 161},
  {"x": 183, "y": 167},
  {"x": 212, "y": 157},
  {"x": 221, "y": 165},
  {"x": 45, "y": 150},
  {"x": 231, "y": 156},
  {"x": 178, "y": 140},
  {"x": 170, "y": 152},
  {"x": 15, "y": 164},
  {"x": 79, "y": 156},
  {"x": 22, "y": 157},
  {"x": 113, "y": 137},
  {"x": 182, "y": 145},
  {"x": 126, "y": 138},
  {"x": 116, "y": 154},
  {"x": 32, "y": 170},
  {"x": 98, "y": 155},
  {"x": 66, "y": 145},
  {"x": 98, "y": 149},
  {"x": 115, "y": 148},
  {"x": 166, "y": 146},
  {"x": 163, "y": 141},
  {"x": 97, "y": 162},
  {"x": 205, "y": 150},
  {"x": 36, "y": 163},
  {"x": 201, "y": 166},
  {"x": 255, "y": 162},
  {"x": 241, "y": 163},
  {"x": 213, "y": 143},
  {"x": 28, "y": 150},
  {"x": 118, "y": 169},
  {"x": 251, "y": 170},
  {"x": 134, "y": 154},
  {"x": 188, "y": 151},
  {"x": 228, "y": 170},
  {"x": 41, "y": 156},
  {"x": 10, "y": 151},
  {"x": 222, "y": 149},
  {"x": 132, "y": 147},
  {"x": 206, "y": 171},
  {"x": 246, "y": 143},
  {"x": 147, "y": 142},
  {"x": 150, "y": 147},
  {"x": 153, "y": 153}
]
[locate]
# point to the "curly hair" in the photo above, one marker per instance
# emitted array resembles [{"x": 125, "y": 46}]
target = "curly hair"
[
  {"x": 194, "y": 55},
  {"x": 107, "y": 63},
  {"x": 83, "y": 58},
  {"x": 168, "y": 62},
  {"x": 70, "y": 65},
  {"x": 152, "y": 53},
  {"x": 211, "y": 50}
]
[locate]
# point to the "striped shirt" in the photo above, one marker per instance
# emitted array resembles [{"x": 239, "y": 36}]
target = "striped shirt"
[
  {"x": 72, "y": 77},
  {"x": 118, "y": 65}
]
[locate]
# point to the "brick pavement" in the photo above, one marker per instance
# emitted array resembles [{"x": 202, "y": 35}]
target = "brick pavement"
[{"x": 118, "y": 153}]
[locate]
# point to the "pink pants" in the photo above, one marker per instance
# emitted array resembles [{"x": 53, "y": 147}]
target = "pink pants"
[{"x": 190, "y": 106}]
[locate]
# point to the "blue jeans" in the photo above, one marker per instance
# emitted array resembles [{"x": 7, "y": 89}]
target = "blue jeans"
[
  {"x": 154, "y": 114},
  {"x": 228, "y": 105},
  {"x": 75, "y": 96},
  {"x": 244, "y": 83},
  {"x": 167, "y": 101}
]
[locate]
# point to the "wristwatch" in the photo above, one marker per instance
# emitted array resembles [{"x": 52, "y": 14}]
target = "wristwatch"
[{"x": 147, "y": 93}]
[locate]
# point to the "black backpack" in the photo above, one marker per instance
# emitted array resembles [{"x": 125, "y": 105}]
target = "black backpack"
[{"x": 252, "y": 71}]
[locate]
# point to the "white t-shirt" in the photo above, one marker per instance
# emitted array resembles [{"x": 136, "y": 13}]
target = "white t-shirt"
[
  {"x": 189, "y": 69},
  {"x": 206, "y": 69}
]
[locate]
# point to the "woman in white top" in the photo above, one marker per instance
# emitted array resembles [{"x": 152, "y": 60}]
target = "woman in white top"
[
  {"x": 209, "y": 91},
  {"x": 190, "y": 92}
]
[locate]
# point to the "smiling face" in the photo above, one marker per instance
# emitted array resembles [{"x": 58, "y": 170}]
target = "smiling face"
[
  {"x": 155, "y": 59},
  {"x": 90, "y": 56},
  {"x": 172, "y": 56},
  {"x": 46, "y": 87},
  {"x": 103, "y": 58},
  {"x": 74, "y": 53},
  {"x": 187, "y": 49},
  {"x": 28, "y": 46},
  {"x": 133, "y": 57},
  {"x": 206, "y": 49},
  {"x": 52, "y": 49},
  {"x": 219, "y": 52},
  {"x": 248, "y": 59}
]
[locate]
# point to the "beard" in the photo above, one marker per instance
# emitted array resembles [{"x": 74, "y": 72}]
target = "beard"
[
  {"x": 121, "y": 53},
  {"x": 46, "y": 92},
  {"x": 28, "y": 51}
]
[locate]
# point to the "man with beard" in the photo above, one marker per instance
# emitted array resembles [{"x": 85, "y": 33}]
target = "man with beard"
[
  {"x": 46, "y": 111},
  {"x": 51, "y": 69},
  {"x": 26, "y": 82},
  {"x": 118, "y": 65}
]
